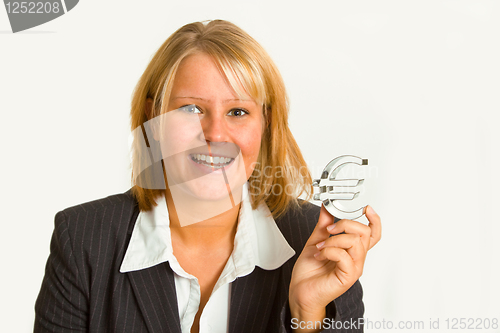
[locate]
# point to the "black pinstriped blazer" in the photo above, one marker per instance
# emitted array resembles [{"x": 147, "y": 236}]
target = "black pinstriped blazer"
[{"x": 83, "y": 290}]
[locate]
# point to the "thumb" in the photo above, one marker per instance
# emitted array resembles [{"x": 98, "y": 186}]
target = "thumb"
[{"x": 320, "y": 233}]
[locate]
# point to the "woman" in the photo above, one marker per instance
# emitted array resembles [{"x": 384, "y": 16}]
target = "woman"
[{"x": 209, "y": 237}]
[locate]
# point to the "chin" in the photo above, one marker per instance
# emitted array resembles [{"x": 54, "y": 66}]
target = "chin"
[
  {"x": 207, "y": 191},
  {"x": 197, "y": 201}
]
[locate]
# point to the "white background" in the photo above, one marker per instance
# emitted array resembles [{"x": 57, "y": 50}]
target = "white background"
[{"x": 411, "y": 85}]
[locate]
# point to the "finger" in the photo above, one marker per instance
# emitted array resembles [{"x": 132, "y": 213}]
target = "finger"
[
  {"x": 320, "y": 233},
  {"x": 375, "y": 226},
  {"x": 339, "y": 256},
  {"x": 351, "y": 243},
  {"x": 352, "y": 227}
]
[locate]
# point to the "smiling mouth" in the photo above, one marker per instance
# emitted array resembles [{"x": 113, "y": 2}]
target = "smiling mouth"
[{"x": 216, "y": 162}]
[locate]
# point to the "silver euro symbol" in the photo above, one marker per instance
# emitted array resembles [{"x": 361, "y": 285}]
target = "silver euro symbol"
[{"x": 332, "y": 189}]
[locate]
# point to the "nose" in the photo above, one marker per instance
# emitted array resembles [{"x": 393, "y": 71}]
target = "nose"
[{"x": 214, "y": 128}]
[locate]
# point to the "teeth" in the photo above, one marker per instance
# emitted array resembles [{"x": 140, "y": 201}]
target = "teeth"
[{"x": 211, "y": 159}]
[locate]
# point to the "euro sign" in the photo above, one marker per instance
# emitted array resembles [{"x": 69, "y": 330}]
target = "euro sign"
[{"x": 331, "y": 189}]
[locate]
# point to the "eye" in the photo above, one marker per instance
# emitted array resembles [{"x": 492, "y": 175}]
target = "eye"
[
  {"x": 191, "y": 108},
  {"x": 237, "y": 112}
]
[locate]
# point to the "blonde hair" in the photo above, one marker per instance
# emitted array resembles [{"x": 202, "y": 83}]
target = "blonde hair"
[{"x": 239, "y": 57}]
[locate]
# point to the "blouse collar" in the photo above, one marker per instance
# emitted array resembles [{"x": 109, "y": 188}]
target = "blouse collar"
[{"x": 258, "y": 241}]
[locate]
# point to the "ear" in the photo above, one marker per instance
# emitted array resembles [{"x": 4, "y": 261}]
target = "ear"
[{"x": 148, "y": 108}]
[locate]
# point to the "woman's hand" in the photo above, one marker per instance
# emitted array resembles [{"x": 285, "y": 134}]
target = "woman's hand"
[{"x": 329, "y": 266}]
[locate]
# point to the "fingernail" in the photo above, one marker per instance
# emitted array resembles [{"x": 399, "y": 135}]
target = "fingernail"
[
  {"x": 330, "y": 227},
  {"x": 371, "y": 210},
  {"x": 317, "y": 254},
  {"x": 320, "y": 245}
]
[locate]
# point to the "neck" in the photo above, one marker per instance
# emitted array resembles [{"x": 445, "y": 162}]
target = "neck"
[{"x": 194, "y": 230}]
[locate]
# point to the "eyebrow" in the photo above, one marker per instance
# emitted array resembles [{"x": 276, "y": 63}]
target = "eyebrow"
[{"x": 206, "y": 100}]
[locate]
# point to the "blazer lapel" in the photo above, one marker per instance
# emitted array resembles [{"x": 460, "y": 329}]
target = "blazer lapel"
[
  {"x": 154, "y": 289},
  {"x": 252, "y": 301}
]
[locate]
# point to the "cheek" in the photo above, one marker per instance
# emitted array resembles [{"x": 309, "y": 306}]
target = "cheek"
[
  {"x": 175, "y": 142},
  {"x": 250, "y": 146},
  {"x": 179, "y": 134}
]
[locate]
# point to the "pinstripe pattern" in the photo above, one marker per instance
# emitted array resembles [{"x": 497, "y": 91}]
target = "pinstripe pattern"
[{"x": 83, "y": 291}]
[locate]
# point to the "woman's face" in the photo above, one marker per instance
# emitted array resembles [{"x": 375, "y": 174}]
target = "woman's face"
[{"x": 210, "y": 137}]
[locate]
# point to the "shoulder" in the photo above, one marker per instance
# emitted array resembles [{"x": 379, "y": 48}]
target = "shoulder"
[
  {"x": 90, "y": 225},
  {"x": 100, "y": 206}
]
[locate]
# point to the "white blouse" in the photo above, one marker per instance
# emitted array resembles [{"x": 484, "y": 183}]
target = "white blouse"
[{"x": 258, "y": 242}]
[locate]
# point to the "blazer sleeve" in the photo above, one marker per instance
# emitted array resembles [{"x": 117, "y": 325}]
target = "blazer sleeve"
[
  {"x": 343, "y": 315},
  {"x": 62, "y": 304}
]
